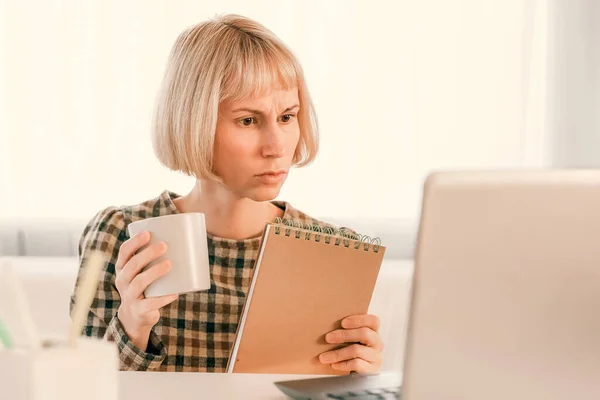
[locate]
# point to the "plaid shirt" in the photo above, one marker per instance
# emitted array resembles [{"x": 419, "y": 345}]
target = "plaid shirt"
[{"x": 196, "y": 332}]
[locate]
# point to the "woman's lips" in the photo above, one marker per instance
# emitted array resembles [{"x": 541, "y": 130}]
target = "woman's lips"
[{"x": 272, "y": 176}]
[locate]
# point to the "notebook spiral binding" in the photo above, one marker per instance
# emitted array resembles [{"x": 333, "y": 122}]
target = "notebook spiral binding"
[{"x": 340, "y": 236}]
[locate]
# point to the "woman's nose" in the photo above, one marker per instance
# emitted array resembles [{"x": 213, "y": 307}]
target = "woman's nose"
[{"x": 273, "y": 145}]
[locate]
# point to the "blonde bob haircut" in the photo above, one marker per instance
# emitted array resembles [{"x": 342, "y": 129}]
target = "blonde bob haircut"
[{"x": 227, "y": 58}]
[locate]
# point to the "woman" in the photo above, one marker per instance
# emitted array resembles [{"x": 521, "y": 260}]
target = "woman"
[{"x": 233, "y": 112}]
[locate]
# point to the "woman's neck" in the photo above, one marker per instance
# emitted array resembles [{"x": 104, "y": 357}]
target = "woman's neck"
[{"x": 227, "y": 216}]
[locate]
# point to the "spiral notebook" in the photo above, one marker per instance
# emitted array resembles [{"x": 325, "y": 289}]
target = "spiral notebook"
[{"x": 306, "y": 280}]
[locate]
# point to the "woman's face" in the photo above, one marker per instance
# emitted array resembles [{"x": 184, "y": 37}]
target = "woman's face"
[{"x": 255, "y": 143}]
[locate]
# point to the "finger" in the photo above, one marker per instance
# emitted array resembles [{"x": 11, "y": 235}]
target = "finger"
[
  {"x": 141, "y": 260},
  {"x": 358, "y": 365},
  {"x": 155, "y": 303},
  {"x": 129, "y": 247},
  {"x": 350, "y": 352},
  {"x": 358, "y": 321},
  {"x": 365, "y": 336},
  {"x": 141, "y": 281}
]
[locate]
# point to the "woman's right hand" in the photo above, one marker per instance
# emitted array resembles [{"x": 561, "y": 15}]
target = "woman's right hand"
[{"x": 136, "y": 313}]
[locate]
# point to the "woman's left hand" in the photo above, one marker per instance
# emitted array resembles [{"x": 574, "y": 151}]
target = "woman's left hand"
[{"x": 363, "y": 355}]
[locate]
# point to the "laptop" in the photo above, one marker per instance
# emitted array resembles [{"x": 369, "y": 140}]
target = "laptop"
[{"x": 505, "y": 301}]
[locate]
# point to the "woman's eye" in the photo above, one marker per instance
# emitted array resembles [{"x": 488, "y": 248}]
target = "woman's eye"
[
  {"x": 287, "y": 117},
  {"x": 247, "y": 121}
]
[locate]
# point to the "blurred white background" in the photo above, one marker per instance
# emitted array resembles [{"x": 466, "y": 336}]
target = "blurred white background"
[{"x": 401, "y": 88}]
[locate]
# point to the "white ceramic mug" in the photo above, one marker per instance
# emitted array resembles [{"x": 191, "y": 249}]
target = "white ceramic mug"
[{"x": 187, "y": 249}]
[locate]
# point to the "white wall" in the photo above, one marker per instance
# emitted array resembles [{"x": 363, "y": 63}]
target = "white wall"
[{"x": 400, "y": 87}]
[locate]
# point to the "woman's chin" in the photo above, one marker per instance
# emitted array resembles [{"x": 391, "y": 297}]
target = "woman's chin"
[{"x": 264, "y": 193}]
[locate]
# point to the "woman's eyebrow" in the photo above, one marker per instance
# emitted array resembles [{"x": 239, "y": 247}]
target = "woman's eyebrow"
[
  {"x": 250, "y": 110},
  {"x": 253, "y": 111},
  {"x": 290, "y": 108}
]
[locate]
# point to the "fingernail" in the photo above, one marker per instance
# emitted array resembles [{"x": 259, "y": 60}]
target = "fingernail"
[
  {"x": 144, "y": 235},
  {"x": 329, "y": 337},
  {"x": 326, "y": 358}
]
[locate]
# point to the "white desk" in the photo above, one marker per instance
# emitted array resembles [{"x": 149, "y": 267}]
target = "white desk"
[{"x": 191, "y": 385}]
